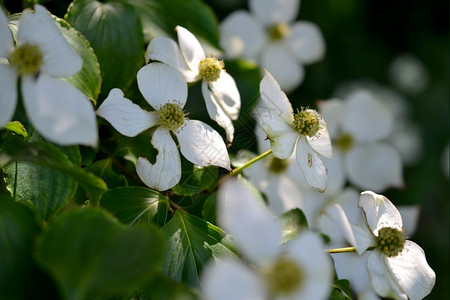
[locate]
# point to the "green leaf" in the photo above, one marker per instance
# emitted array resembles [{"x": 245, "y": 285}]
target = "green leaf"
[
  {"x": 90, "y": 254},
  {"x": 167, "y": 289},
  {"x": 195, "y": 179},
  {"x": 341, "y": 290},
  {"x": 47, "y": 155},
  {"x": 209, "y": 208},
  {"x": 191, "y": 242},
  {"x": 88, "y": 80},
  {"x": 161, "y": 18},
  {"x": 115, "y": 33},
  {"x": 20, "y": 278},
  {"x": 292, "y": 222},
  {"x": 17, "y": 127},
  {"x": 133, "y": 205},
  {"x": 103, "y": 169}
]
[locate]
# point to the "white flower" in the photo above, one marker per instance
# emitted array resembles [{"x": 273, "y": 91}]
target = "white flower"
[
  {"x": 397, "y": 267},
  {"x": 269, "y": 35},
  {"x": 358, "y": 125},
  {"x": 409, "y": 74},
  {"x": 219, "y": 89},
  {"x": 165, "y": 90},
  {"x": 306, "y": 131},
  {"x": 59, "y": 111},
  {"x": 299, "y": 269}
]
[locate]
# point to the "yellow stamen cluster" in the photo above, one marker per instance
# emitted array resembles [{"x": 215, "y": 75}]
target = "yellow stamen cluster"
[
  {"x": 279, "y": 31},
  {"x": 209, "y": 68},
  {"x": 277, "y": 165},
  {"x": 284, "y": 277},
  {"x": 390, "y": 241},
  {"x": 27, "y": 59},
  {"x": 306, "y": 123},
  {"x": 344, "y": 142},
  {"x": 171, "y": 116}
]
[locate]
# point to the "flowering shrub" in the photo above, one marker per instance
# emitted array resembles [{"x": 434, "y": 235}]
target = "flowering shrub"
[{"x": 149, "y": 152}]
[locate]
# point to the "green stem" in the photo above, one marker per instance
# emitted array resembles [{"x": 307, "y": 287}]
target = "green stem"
[
  {"x": 341, "y": 250},
  {"x": 250, "y": 162}
]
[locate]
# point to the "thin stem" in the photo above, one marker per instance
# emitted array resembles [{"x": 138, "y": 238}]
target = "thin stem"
[
  {"x": 341, "y": 250},
  {"x": 250, "y": 162}
]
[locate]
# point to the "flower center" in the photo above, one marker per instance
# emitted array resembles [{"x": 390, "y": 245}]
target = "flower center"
[
  {"x": 344, "y": 142},
  {"x": 390, "y": 241},
  {"x": 277, "y": 165},
  {"x": 279, "y": 31},
  {"x": 306, "y": 123},
  {"x": 209, "y": 68},
  {"x": 27, "y": 59},
  {"x": 283, "y": 277},
  {"x": 171, "y": 116}
]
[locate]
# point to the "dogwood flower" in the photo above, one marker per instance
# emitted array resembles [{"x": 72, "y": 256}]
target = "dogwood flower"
[
  {"x": 165, "y": 90},
  {"x": 219, "y": 89},
  {"x": 298, "y": 269},
  {"x": 41, "y": 56},
  {"x": 397, "y": 267},
  {"x": 358, "y": 126},
  {"x": 268, "y": 34},
  {"x": 306, "y": 130}
]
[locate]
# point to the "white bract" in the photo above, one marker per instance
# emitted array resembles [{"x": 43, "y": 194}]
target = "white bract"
[
  {"x": 299, "y": 269},
  {"x": 358, "y": 126},
  {"x": 397, "y": 267},
  {"x": 219, "y": 89},
  {"x": 269, "y": 35},
  {"x": 40, "y": 57},
  {"x": 305, "y": 131},
  {"x": 165, "y": 90}
]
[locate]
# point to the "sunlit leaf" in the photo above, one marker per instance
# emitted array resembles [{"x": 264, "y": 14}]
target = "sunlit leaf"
[
  {"x": 89, "y": 253},
  {"x": 341, "y": 290},
  {"x": 134, "y": 204},
  {"x": 17, "y": 127},
  {"x": 191, "y": 243},
  {"x": 292, "y": 222}
]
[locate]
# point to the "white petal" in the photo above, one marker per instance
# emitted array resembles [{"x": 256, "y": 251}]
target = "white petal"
[
  {"x": 335, "y": 215},
  {"x": 273, "y": 12},
  {"x": 311, "y": 165},
  {"x": 366, "y": 117},
  {"x": 306, "y": 42},
  {"x": 167, "y": 51},
  {"x": 348, "y": 199},
  {"x": 191, "y": 49},
  {"x": 333, "y": 112},
  {"x": 336, "y": 176},
  {"x": 165, "y": 173},
  {"x": 283, "y": 195},
  {"x": 411, "y": 271},
  {"x": 379, "y": 212},
  {"x": 241, "y": 35},
  {"x": 231, "y": 279},
  {"x": 125, "y": 116},
  {"x": 308, "y": 251},
  {"x": 375, "y": 167},
  {"x": 275, "y": 99},
  {"x": 227, "y": 94},
  {"x": 257, "y": 232},
  {"x": 202, "y": 145},
  {"x": 39, "y": 28},
  {"x": 321, "y": 142},
  {"x": 5, "y": 36},
  {"x": 353, "y": 267},
  {"x": 410, "y": 217},
  {"x": 283, "y": 66},
  {"x": 8, "y": 93},
  {"x": 380, "y": 279},
  {"x": 161, "y": 84},
  {"x": 59, "y": 111},
  {"x": 216, "y": 112}
]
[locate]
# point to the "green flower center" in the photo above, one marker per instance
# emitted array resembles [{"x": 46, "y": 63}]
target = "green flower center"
[
  {"x": 277, "y": 165},
  {"x": 306, "y": 123},
  {"x": 283, "y": 277},
  {"x": 279, "y": 31},
  {"x": 209, "y": 68},
  {"x": 27, "y": 59},
  {"x": 390, "y": 241},
  {"x": 344, "y": 142},
  {"x": 171, "y": 116}
]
